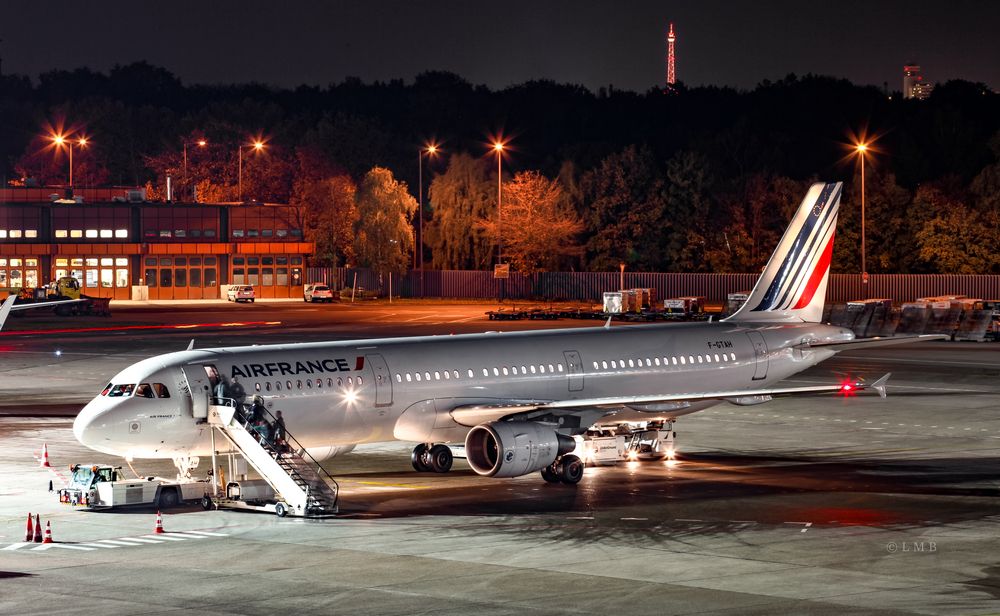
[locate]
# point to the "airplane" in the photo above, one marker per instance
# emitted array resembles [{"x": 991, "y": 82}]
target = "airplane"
[{"x": 514, "y": 399}]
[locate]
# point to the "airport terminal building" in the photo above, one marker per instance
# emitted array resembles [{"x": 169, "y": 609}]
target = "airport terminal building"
[{"x": 118, "y": 245}]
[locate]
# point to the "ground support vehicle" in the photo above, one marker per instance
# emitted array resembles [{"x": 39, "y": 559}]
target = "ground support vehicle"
[
  {"x": 240, "y": 293},
  {"x": 600, "y": 447},
  {"x": 100, "y": 486},
  {"x": 651, "y": 444}
]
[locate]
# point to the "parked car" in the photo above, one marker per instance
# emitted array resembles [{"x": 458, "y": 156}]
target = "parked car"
[
  {"x": 317, "y": 292},
  {"x": 240, "y": 293}
]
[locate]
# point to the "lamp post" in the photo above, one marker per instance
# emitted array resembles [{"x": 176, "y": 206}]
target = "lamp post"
[
  {"x": 498, "y": 148},
  {"x": 430, "y": 149},
  {"x": 200, "y": 143},
  {"x": 257, "y": 147},
  {"x": 60, "y": 141},
  {"x": 861, "y": 148}
]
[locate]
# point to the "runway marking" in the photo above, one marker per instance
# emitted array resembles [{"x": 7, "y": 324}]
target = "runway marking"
[
  {"x": 119, "y": 542},
  {"x": 805, "y": 524},
  {"x": 687, "y": 520},
  {"x": 65, "y": 546},
  {"x": 390, "y": 485},
  {"x": 15, "y": 546},
  {"x": 580, "y": 517},
  {"x": 635, "y": 519}
]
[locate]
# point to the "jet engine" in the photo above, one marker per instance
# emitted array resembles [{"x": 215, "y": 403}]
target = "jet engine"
[
  {"x": 514, "y": 448},
  {"x": 327, "y": 452}
]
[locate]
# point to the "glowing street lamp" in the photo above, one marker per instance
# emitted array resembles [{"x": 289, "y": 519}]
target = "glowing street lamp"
[
  {"x": 431, "y": 149},
  {"x": 498, "y": 147},
  {"x": 861, "y": 148},
  {"x": 257, "y": 146},
  {"x": 201, "y": 143},
  {"x": 60, "y": 141}
]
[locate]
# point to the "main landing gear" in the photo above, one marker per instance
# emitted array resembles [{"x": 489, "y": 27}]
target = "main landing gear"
[
  {"x": 427, "y": 459},
  {"x": 566, "y": 469}
]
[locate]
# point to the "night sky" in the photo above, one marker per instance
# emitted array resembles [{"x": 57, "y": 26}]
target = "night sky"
[{"x": 734, "y": 43}]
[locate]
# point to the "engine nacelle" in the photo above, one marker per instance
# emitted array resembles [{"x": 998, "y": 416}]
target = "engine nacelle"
[
  {"x": 514, "y": 448},
  {"x": 329, "y": 451}
]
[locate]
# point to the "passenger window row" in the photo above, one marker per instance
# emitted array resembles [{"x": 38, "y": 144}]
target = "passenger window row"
[
  {"x": 300, "y": 384},
  {"x": 439, "y": 375},
  {"x": 673, "y": 360}
]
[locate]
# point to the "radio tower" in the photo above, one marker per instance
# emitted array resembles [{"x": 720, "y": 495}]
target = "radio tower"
[{"x": 671, "y": 76}]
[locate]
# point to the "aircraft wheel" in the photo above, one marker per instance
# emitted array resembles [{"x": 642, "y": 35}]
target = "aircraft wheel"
[
  {"x": 418, "y": 459},
  {"x": 168, "y": 499},
  {"x": 441, "y": 458},
  {"x": 572, "y": 469},
  {"x": 549, "y": 475}
]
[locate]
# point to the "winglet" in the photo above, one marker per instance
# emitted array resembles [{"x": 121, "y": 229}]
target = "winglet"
[
  {"x": 607, "y": 325},
  {"x": 879, "y": 385},
  {"x": 191, "y": 345},
  {"x": 6, "y": 307}
]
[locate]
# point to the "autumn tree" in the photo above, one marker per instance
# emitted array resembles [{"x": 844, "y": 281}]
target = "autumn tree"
[
  {"x": 624, "y": 211},
  {"x": 383, "y": 234},
  {"x": 690, "y": 230},
  {"x": 464, "y": 194},
  {"x": 537, "y": 228},
  {"x": 956, "y": 241},
  {"x": 325, "y": 197}
]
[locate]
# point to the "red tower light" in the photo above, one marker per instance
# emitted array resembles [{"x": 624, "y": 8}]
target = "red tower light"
[{"x": 671, "y": 38}]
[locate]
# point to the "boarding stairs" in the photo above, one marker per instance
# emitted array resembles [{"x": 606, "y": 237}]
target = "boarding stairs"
[{"x": 297, "y": 478}]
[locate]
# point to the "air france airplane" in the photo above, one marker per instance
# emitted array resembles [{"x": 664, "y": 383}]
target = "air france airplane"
[{"x": 514, "y": 399}]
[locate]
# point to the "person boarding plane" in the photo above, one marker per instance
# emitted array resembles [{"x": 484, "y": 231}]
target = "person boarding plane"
[{"x": 514, "y": 399}]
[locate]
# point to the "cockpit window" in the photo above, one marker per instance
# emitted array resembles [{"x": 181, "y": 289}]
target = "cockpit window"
[
  {"x": 161, "y": 390},
  {"x": 144, "y": 390},
  {"x": 121, "y": 391}
]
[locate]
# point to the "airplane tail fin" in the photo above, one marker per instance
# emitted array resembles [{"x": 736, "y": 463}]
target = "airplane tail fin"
[{"x": 793, "y": 285}]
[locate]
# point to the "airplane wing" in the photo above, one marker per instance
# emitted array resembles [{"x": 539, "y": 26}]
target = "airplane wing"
[
  {"x": 8, "y": 306},
  {"x": 873, "y": 342},
  {"x": 473, "y": 415}
]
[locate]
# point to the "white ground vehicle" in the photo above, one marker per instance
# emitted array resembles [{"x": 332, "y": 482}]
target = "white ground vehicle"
[
  {"x": 317, "y": 292},
  {"x": 100, "y": 486},
  {"x": 240, "y": 293},
  {"x": 651, "y": 444},
  {"x": 600, "y": 446}
]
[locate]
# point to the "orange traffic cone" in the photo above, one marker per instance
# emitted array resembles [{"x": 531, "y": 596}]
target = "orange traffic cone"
[
  {"x": 45, "y": 455},
  {"x": 38, "y": 529},
  {"x": 159, "y": 524},
  {"x": 29, "y": 533},
  {"x": 48, "y": 532}
]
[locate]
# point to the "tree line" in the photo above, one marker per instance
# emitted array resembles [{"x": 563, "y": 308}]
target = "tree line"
[{"x": 690, "y": 179}]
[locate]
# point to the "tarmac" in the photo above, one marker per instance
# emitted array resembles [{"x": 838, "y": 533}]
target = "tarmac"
[{"x": 808, "y": 505}]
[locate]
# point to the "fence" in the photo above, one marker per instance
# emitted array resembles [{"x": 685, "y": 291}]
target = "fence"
[{"x": 588, "y": 286}]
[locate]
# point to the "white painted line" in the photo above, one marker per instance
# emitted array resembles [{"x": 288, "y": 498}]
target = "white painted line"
[
  {"x": 65, "y": 546},
  {"x": 118, "y": 542},
  {"x": 15, "y": 546},
  {"x": 141, "y": 540},
  {"x": 163, "y": 536},
  {"x": 808, "y": 524},
  {"x": 687, "y": 520},
  {"x": 634, "y": 518},
  {"x": 582, "y": 517},
  {"x": 100, "y": 545},
  {"x": 187, "y": 536}
]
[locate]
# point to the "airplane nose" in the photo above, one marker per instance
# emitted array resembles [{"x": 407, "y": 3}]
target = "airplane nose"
[{"x": 85, "y": 425}]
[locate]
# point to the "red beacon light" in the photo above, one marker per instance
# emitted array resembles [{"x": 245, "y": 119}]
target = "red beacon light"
[{"x": 848, "y": 388}]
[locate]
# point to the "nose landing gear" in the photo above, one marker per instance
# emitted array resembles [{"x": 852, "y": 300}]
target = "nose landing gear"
[
  {"x": 432, "y": 458},
  {"x": 567, "y": 469}
]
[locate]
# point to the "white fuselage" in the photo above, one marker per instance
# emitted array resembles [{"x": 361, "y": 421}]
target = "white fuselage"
[{"x": 336, "y": 394}]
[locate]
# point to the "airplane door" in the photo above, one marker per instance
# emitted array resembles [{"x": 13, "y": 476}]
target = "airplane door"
[
  {"x": 200, "y": 387},
  {"x": 575, "y": 368},
  {"x": 383, "y": 382},
  {"x": 759, "y": 354}
]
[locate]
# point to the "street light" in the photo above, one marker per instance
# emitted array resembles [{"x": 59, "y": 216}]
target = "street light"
[
  {"x": 498, "y": 147},
  {"x": 200, "y": 143},
  {"x": 257, "y": 146},
  {"x": 861, "y": 148},
  {"x": 430, "y": 149},
  {"x": 61, "y": 140}
]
